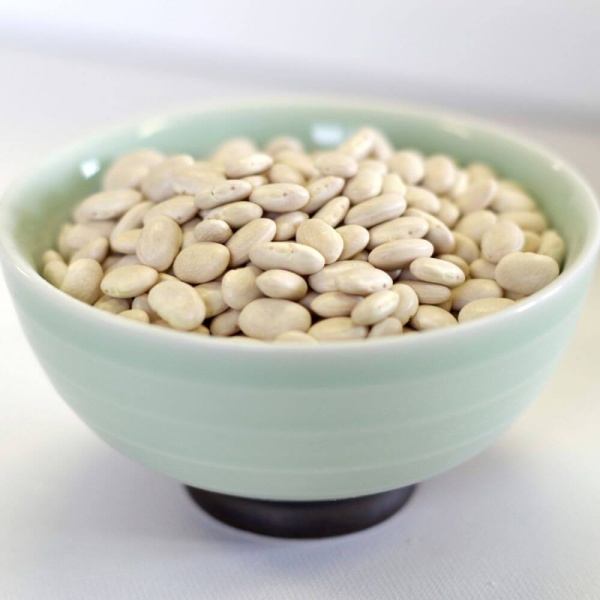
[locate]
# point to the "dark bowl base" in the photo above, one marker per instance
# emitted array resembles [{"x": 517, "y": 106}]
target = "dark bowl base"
[{"x": 313, "y": 519}]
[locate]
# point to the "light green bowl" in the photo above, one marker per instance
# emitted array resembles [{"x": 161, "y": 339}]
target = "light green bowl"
[{"x": 285, "y": 422}]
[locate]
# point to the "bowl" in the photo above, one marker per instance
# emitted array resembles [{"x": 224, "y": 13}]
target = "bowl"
[{"x": 284, "y": 422}]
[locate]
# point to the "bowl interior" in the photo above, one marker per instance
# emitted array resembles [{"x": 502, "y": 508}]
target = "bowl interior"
[{"x": 34, "y": 209}]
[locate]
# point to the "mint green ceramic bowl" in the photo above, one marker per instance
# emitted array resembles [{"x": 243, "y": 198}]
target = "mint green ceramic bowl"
[{"x": 285, "y": 422}]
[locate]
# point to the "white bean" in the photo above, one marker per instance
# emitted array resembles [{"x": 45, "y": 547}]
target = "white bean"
[
  {"x": 334, "y": 304},
  {"x": 226, "y": 324},
  {"x": 285, "y": 285},
  {"x": 362, "y": 282},
  {"x": 82, "y": 280},
  {"x": 178, "y": 304},
  {"x": 355, "y": 238},
  {"x": 244, "y": 166},
  {"x": 239, "y": 287},
  {"x": 54, "y": 272},
  {"x": 376, "y": 210},
  {"x": 336, "y": 164},
  {"x": 375, "y": 307},
  {"x": 235, "y": 214},
  {"x": 364, "y": 185},
  {"x": 525, "y": 272},
  {"x": 551, "y": 244},
  {"x": 201, "y": 262},
  {"x": 159, "y": 243},
  {"x": 287, "y": 224},
  {"x": 408, "y": 304},
  {"x": 477, "y": 196},
  {"x": 280, "y": 197},
  {"x": 104, "y": 206},
  {"x": 322, "y": 191},
  {"x": 398, "y": 229},
  {"x": 439, "y": 271},
  {"x": 334, "y": 212},
  {"x": 387, "y": 327},
  {"x": 474, "y": 289},
  {"x": 440, "y": 174},
  {"x": 501, "y": 239},
  {"x": 398, "y": 254},
  {"x": 337, "y": 329},
  {"x": 429, "y": 293},
  {"x": 243, "y": 240},
  {"x": 180, "y": 208},
  {"x": 266, "y": 318},
  {"x": 212, "y": 230},
  {"x": 325, "y": 280},
  {"x": 129, "y": 281},
  {"x": 409, "y": 165},
  {"x": 212, "y": 296},
  {"x": 476, "y": 223},
  {"x": 432, "y": 317},
  {"x": 480, "y": 308},
  {"x": 289, "y": 256},
  {"x": 322, "y": 237}
]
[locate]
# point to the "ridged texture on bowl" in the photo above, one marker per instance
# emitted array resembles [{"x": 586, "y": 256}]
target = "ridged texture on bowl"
[{"x": 297, "y": 423}]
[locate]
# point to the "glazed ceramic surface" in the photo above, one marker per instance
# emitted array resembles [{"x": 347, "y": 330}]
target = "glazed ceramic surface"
[{"x": 283, "y": 421}]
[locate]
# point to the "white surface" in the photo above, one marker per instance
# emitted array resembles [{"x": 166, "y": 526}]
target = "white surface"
[
  {"x": 533, "y": 52},
  {"x": 79, "y": 521}
]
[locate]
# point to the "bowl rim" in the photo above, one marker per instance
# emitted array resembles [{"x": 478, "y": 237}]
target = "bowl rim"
[{"x": 21, "y": 267}]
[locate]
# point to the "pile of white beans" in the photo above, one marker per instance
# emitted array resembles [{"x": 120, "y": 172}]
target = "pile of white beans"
[{"x": 289, "y": 245}]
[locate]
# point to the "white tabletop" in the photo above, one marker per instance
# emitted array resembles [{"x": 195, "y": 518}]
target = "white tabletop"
[{"x": 79, "y": 521}]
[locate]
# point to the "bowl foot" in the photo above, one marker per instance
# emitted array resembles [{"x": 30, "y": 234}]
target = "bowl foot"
[{"x": 312, "y": 519}]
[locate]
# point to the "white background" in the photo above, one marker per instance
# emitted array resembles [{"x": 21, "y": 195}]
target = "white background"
[{"x": 77, "y": 520}]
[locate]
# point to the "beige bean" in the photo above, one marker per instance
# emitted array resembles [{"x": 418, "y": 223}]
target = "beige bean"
[
  {"x": 474, "y": 289},
  {"x": 128, "y": 171},
  {"x": 448, "y": 213},
  {"x": 141, "y": 303},
  {"x": 478, "y": 196},
  {"x": 280, "y": 173},
  {"x": 112, "y": 305},
  {"x": 136, "y": 315},
  {"x": 96, "y": 249},
  {"x": 289, "y": 256},
  {"x": 360, "y": 144},
  {"x": 481, "y": 308},
  {"x": 376, "y": 210},
  {"x": 366, "y": 184},
  {"x": 505, "y": 237},
  {"x": 514, "y": 295},
  {"x": 180, "y": 208},
  {"x": 552, "y": 245},
  {"x": 287, "y": 224},
  {"x": 363, "y": 281},
  {"x": 105, "y": 206},
  {"x": 256, "y": 232},
  {"x": 222, "y": 193},
  {"x": 226, "y": 324},
  {"x": 392, "y": 184},
  {"x": 232, "y": 149},
  {"x": 54, "y": 272},
  {"x": 462, "y": 264},
  {"x": 212, "y": 296},
  {"x": 334, "y": 212},
  {"x": 465, "y": 247},
  {"x": 525, "y": 272},
  {"x": 285, "y": 285},
  {"x": 336, "y": 164},
  {"x": 76, "y": 237},
  {"x": 126, "y": 242},
  {"x": 235, "y": 214},
  {"x": 158, "y": 184},
  {"x": 460, "y": 186},
  {"x": 322, "y": 237},
  {"x": 178, "y": 304},
  {"x": 310, "y": 296},
  {"x": 446, "y": 305},
  {"x": 409, "y": 165},
  {"x": 438, "y": 234},
  {"x": 82, "y": 280},
  {"x": 266, "y": 318},
  {"x": 388, "y": 327},
  {"x": 323, "y": 190},
  {"x": 398, "y": 254},
  {"x": 429, "y": 293},
  {"x": 282, "y": 143},
  {"x": 382, "y": 149},
  {"x": 159, "y": 243},
  {"x": 132, "y": 219},
  {"x": 482, "y": 269},
  {"x": 408, "y": 303},
  {"x": 440, "y": 174},
  {"x": 188, "y": 239},
  {"x": 334, "y": 304},
  {"x": 193, "y": 179},
  {"x": 476, "y": 223},
  {"x": 432, "y": 317},
  {"x": 295, "y": 337},
  {"x": 299, "y": 161},
  {"x": 252, "y": 164},
  {"x": 375, "y": 307},
  {"x": 239, "y": 287},
  {"x": 63, "y": 248},
  {"x": 123, "y": 261},
  {"x": 527, "y": 220},
  {"x": 201, "y": 262},
  {"x": 337, "y": 329},
  {"x": 212, "y": 230},
  {"x": 363, "y": 255},
  {"x": 422, "y": 199},
  {"x": 477, "y": 171},
  {"x": 371, "y": 164},
  {"x": 325, "y": 280},
  {"x": 50, "y": 256},
  {"x": 508, "y": 199},
  {"x": 129, "y": 281},
  {"x": 435, "y": 270},
  {"x": 280, "y": 197},
  {"x": 532, "y": 241},
  {"x": 355, "y": 238},
  {"x": 397, "y": 229}
]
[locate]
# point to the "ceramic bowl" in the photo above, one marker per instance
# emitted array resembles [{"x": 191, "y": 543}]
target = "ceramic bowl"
[{"x": 287, "y": 422}]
